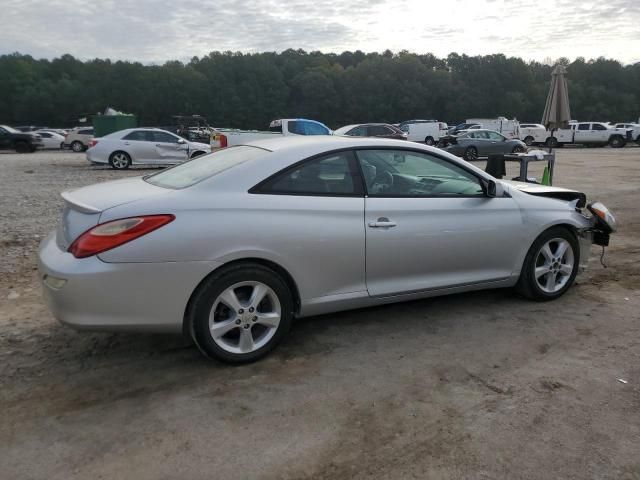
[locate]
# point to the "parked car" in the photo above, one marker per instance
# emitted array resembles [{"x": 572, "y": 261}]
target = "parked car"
[
  {"x": 229, "y": 247},
  {"x": 424, "y": 131},
  {"x": 634, "y": 127},
  {"x": 78, "y": 139},
  {"x": 147, "y": 146},
  {"x": 473, "y": 144},
  {"x": 21, "y": 142},
  {"x": 51, "y": 140},
  {"x": 29, "y": 128},
  {"x": 282, "y": 127},
  {"x": 380, "y": 130}
]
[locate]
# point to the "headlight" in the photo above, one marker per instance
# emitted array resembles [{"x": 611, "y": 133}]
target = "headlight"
[{"x": 605, "y": 217}]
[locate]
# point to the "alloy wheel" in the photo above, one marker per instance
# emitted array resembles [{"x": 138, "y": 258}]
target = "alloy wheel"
[
  {"x": 554, "y": 265},
  {"x": 244, "y": 317},
  {"x": 120, "y": 161}
]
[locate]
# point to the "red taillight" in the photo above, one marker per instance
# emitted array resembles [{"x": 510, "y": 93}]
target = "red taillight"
[
  {"x": 93, "y": 143},
  {"x": 223, "y": 141},
  {"x": 112, "y": 234}
]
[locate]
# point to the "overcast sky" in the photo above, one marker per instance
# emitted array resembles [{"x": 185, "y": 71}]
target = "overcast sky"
[{"x": 159, "y": 30}]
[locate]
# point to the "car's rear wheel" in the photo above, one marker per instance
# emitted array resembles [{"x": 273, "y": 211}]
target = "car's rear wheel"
[
  {"x": 617, "y": 141},
  {"x": 240, "y": 314},
  {"x": 528, "y": 141},
  {"x": 470, "y": 154},
  {"x": 77, "y": 146},
  {"x": 429, "y": 141},
  {"x": 120, "y": 160},
  {"x": 551, "y": 142},
  {"x": 551, "y": 265}
]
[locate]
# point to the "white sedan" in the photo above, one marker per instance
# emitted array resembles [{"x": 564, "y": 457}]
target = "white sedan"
[
  {"x": 143, "y": 146},
  {"x": 51, "y": 139}
]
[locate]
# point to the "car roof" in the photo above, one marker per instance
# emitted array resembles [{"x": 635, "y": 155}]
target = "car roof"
[{"x": 322, "y": 142}]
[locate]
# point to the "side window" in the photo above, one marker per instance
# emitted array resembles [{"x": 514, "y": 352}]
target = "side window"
[
  {"x": 327, "y": 175},
  {"x": 404, "y": 173},
  {"x": 138, "y": 135},
  {"x": 357, "y": 132},
  {"x": 296, "y": 127},
  {"x": 495, "y": 136},
  {"x": 583, "y": 126},
  {"x": 312, "y": 128},
  {"x": 86, "y": 131},
  {"x": 378, "y": 130},
  {"x": 597, "y": 126},
  {"x": 44, "y": 135},
  {"x": 163, "y": 137}
]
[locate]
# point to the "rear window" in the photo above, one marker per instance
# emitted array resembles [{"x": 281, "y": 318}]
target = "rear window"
[{"x": 206, "y": 166}]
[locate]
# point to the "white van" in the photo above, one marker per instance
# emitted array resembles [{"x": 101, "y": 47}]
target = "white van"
[{"x": 424, "y": 131}]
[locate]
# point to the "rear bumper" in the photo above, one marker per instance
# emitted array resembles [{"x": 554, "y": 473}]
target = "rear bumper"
[
  {"x": 103, "y": 296},
  {"x": 93, "y": 158}
]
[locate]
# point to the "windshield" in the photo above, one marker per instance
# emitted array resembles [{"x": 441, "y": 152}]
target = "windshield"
[
  {"x": 10, "y": 129},
  {"x": 206, "y": 166}
]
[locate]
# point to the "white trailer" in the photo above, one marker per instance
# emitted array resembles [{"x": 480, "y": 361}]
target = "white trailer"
[{"x": 508, "y": 128}]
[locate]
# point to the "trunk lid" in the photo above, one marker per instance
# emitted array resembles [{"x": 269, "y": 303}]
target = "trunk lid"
[{"x": 83, "y": 206}]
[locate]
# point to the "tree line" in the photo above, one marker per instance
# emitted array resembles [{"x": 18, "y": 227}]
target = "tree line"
[{"x": 247, "y": 90}]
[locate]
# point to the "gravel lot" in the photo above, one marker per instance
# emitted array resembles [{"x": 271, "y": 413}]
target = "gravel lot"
[{"x": 481, "y": 385}]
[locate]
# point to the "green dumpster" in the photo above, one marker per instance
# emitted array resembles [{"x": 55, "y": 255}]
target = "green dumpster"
[{"x": 106, "y": 124}]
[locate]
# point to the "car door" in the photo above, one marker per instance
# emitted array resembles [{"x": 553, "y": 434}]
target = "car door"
[
  {"x": 582, "y": 133},
  {"x": 317, "y": 206},
  {"x": 480, "y": 140},
  {"x": 139, "y": 144},
  {"x": 169, "y": 149},
  {"x": 5, "y": 139},
  {"x": 600, "y": 132},
  {"x": 429, "y": 225},
  {"x": 498, "y": 144}
]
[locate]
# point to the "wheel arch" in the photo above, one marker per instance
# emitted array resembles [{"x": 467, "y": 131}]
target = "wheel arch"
[
  {"x": 277, "y": 268},
  {"x": 121, "y": 150}
]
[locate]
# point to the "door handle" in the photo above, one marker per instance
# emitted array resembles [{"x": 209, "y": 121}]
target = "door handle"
[{"x": 382, "y": 222}]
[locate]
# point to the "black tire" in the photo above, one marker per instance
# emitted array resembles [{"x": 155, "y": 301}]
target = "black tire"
[
  {"x": 116, "y": 160},
  {"x": 429, "y": 141},
  {"x": 527, "y": 285},
  {"x": 77, "y": 146},
  {"x": 197, "y": 154},
  {"x": 551, "y": 142},
  {"x": 617, "y": 141},
  {"x": 471, "y": 154},
  {"x": 518, "y": 149},
  {"x": 22, "y": 147},
  {"x": 528, "y": 141},
  {"x": 204, "y": 297}
]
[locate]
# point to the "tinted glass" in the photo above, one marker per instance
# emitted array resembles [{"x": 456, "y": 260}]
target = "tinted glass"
[
  {"x": 597, "y": 126},
  {"x": 44, "y": 134},
  {"x": 206, "y": 166},
  {"x": 379, "y": 130},
  {"x": 401, "y": 173},
  {"x": 296, "y": 127},
  {"x": 163, "y": 137},
  {"x": 328, "y": 175},
  {"x": 495, "y": 136},
  {"x": 86, "y": 131},
  {"x": 138, "y": 135},
  {"x": 312, "y": 128},
  {"x": 583, "y": 126},
  {"x": 357, "y": 132}
]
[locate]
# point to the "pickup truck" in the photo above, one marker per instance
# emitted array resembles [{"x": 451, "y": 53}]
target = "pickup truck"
[
  {"x": 589, "y": 134},
  {"x": 635, "y": 129},
  {"x": 21, "y": 142},
  {"x": 288, "y": 126}
]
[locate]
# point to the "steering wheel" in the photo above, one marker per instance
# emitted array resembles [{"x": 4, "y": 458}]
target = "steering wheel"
[{"x": 383, "y": 181}]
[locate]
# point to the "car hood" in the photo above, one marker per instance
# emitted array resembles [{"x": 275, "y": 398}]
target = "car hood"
[{"x": 548, "y": 191}]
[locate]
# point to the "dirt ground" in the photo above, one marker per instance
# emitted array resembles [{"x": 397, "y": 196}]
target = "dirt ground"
[{"x": 482, "y": 385}]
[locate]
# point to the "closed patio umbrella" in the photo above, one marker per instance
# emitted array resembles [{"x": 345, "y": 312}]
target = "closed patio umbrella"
[{"x": 556, "y": 112}]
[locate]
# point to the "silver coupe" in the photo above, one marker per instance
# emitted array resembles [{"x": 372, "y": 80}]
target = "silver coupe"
[{"x": 231, "y": 246}]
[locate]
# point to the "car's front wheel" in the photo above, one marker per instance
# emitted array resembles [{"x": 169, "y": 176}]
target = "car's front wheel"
[
  {"x": 551, "y": 265},
  {"x": 241, "y": 313},
  {"x": 518, "y": 149}
]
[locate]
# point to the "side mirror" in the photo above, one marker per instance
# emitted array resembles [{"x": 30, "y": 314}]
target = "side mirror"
[
  {"x": 494, "y": 189},
  {"x": 182, "y": 141}
]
